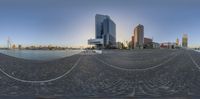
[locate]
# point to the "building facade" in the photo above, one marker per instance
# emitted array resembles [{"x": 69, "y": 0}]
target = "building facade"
[
  {"x": 139, "y": 36},
  {"x": 185, "y": 41},
  {"x": 168, "y": 45},
  {"x": 119, "y": 45},
  {"x": 147, "y": 41},
  {"x": 105, "y": 29},
  {"x": 146, "y": 44},
  {"x": 95, "y": 41},
  {"x": 132, "y": 40},
  {"x": 177, "y": 42}
]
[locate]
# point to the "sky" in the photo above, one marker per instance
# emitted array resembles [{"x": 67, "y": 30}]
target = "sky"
[{"x": 72, "y": 22}]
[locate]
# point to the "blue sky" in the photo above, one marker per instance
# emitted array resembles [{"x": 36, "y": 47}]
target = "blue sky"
[{"x": 72, "y": 22}]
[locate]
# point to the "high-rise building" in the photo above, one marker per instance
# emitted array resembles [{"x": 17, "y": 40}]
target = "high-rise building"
[
  {"x": 138, "y": 37},
  {"x": 106, "y": 30},
  {"x": 185, "y": 41},
  {"x": 177, "y": 42},
  {"x": 9, "y": 43}
]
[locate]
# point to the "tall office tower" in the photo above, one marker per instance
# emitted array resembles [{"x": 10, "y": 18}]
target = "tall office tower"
[
  {"x": 106, "y": 30},
  {"x": 185, "y": 41},
  {"x": 177, "y": 42},
  {"x": 139, "y": 36},
  {"x": 9, "y": 43}
]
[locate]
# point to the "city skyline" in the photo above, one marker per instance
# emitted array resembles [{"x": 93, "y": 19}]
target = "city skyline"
[{"x": 62, "y": 22}]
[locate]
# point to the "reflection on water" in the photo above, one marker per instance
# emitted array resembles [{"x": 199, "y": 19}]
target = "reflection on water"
[{"x": 40, "y": 54}]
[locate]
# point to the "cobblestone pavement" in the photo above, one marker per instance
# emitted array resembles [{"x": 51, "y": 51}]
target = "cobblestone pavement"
[{"x": 114, "y": 74}]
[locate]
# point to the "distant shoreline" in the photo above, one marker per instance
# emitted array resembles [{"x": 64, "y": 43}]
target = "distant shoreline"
[
  {"x": 39, "y": 54},
  {"x": 42, "y": 49}
]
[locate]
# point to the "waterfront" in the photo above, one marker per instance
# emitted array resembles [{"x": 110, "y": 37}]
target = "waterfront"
[
  {"x": 114, "y": 73},
  {"x": 40, "y": 54}
]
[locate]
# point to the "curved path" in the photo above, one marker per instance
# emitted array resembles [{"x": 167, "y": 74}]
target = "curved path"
[
  {"x": 42, "y": 81},
  {"x": 195, "y": 63},
  {"x": 125, "y": 69},
  {"x": 88, "y": 76}
]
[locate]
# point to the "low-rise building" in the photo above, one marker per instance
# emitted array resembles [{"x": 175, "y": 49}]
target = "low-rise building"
[
  {"x": 148, "y": 42},
  {"x": 95, "y": 41},
  {"x": 168, "y": 45},
  {"x": 156, "y": 45},
  {"x": 119, "y": 45}
]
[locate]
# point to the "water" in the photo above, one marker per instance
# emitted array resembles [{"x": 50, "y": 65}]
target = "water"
[{"x": 40, "y": 54}]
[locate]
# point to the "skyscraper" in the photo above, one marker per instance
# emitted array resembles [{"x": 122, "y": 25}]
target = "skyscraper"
[
  {"x": 106, "y": 30},
  {"x": 177, "y": 42},
  {"x": 185, "y": 41},
  {"x": 139, "y": 36}
]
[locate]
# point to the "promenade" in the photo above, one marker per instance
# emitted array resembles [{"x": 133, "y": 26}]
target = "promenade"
[{"x": 113, "y": 74}]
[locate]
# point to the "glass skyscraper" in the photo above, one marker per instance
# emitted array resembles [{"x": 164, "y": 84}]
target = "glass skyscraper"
[
  {"x": 185, "y": 41},
  {"x": 106, "y": 30}
]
